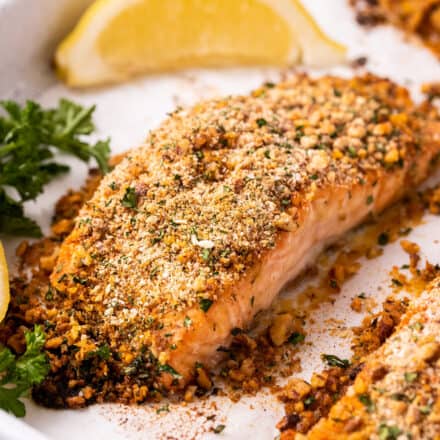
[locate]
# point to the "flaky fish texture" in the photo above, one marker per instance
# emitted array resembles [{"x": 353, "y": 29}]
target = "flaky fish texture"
[{"x": 197, "y": 230}]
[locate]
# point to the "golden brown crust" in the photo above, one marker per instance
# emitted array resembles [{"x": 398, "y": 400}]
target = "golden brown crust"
[
  {"x": 195, "y": 211},
  {"x": 397, "y": 393},
  {"x": 185, "y": 216}
]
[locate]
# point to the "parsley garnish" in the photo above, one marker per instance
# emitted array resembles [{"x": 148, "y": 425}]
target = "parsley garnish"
[
  {"x": 206, "y": 253},
  {"x": 169, "y": 369},
  {"x": 352, "y": 152},
  {"x": 309, "y": 401},
  {"x": 103, "y": 352},
  {"x": 130, "y": 198},
  {"x": 425, "y": 409},
  {"x": 335, "y": 361},
  {"x": 365, "y": 399},
  {"x": 29, "y": 137},
  {"x": 411, "y": 377},
  {"x": 219, "y": 429},
  {"x": 205, "y": 304},
  {"x": 296, "y": 338},
  {"x": 163, "y": 408},
  {"x": 401, "y": 397},
  {"x": 261, "y": 122},
  {"x": 387, "y": 432},
  {"x": 19, "y": 374}
]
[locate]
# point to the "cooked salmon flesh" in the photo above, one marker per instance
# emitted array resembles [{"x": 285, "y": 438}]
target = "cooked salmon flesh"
[{"x": 198, "y": 230}]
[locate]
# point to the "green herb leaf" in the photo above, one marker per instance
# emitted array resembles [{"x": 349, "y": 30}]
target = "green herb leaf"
[
  {"x": 411, "y": 377},
  {"x": 425, "y": 409},
  {"x": 206, "y": 253},
  {"x": 352, "y": 152},
  {"x": 19, "y": 374},
  {"x": 165, "y": 368},
  {"x": 129, "y": 200},
  {"x": 103, "y": 352},
  {"x": 205, "y": 304},
  {"x": 365, "y": 399},
  {"x": 219, "y": 429},
  {"x": 296, "y": 338},
  {"x": 13, "y": 220},
  {"x": 163, "y": 408},
  {"x": 387, "y": 432},
  {"x": 335, "y": 361},
  {"x": 29, "y": 138},
  {"x": 308, "y": 401}
]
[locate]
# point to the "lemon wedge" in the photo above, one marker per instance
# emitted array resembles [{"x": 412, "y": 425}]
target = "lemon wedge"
[
  {"x": 4, "y": 284},
  {"x": 116, "y": 39}
]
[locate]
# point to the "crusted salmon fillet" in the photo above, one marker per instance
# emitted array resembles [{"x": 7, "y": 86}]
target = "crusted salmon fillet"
[
  {"x": 397, "y": 393},
  {"x": 197, "y": 230}
]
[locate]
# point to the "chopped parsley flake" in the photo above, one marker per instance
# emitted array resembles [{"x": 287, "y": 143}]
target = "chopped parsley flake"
[
  {"x": 205, "y": 304},
  {"x": 130, "y": 198},
  {"x": 365, "y": 399},
  {"x": 387, "y": 432},
  {"x": 335, "y": 361},
  {"x": 410, "y": 377},
  {"x": 261, "y": 122},
  {"x": 296, "y": 338},
  {"x": 219, "y": 429}
]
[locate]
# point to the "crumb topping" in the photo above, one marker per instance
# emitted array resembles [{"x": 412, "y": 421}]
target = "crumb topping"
[
  {"x": 183, "y": 217},
  {"x": 104, "y": 301},
  {"x": 396, "y": 395}
]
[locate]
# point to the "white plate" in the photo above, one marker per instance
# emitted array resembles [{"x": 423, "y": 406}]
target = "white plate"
[{"x": 126, "y": 113}]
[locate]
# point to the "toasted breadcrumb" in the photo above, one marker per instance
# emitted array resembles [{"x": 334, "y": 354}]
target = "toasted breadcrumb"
[
  {"x": 247, "y": 157},
  {"x": 396, "y": 395},
  {"x": 325, "y": 388}
]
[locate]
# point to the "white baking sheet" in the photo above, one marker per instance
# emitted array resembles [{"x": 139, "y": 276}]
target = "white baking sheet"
[{"x": 126, "y": 113}]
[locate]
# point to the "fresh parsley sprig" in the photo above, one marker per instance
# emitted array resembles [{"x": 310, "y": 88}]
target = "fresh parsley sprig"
[
  {"x": 29, "y": 137},
  {"x": 19, "y": 374}
]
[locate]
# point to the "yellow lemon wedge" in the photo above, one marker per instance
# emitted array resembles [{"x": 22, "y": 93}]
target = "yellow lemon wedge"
[
  {"x": 116, "y": 39},
  {"x": 4, "y": 284}
]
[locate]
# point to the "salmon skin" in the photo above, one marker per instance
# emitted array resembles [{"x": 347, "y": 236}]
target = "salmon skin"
[{"x": 198, "y": 230}]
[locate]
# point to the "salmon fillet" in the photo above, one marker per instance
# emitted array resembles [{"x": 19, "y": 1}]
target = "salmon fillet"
[
  {"x": 397, "y": 393},
  {"x": 197, "y": 230}
]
